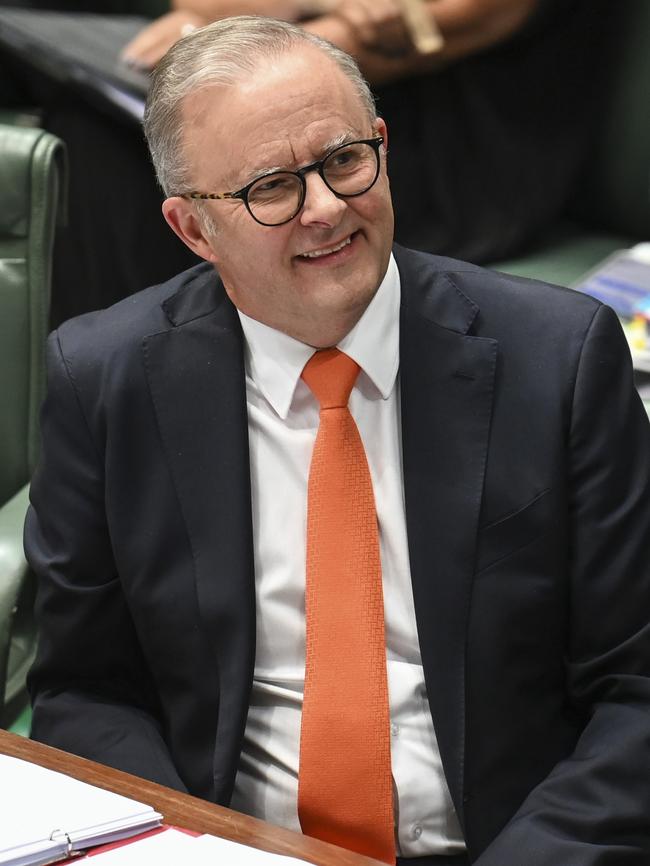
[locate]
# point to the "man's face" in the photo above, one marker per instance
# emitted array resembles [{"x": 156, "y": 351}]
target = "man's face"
[{"x": 286, "y": 115}]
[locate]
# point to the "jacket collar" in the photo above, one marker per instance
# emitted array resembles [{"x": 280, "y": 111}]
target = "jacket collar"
[{"x": 199, "y": 293}]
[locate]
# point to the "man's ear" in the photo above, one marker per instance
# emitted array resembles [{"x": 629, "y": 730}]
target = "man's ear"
[
  {"x": 382, "y": 129},
  {"x": 181, "y": 216}
]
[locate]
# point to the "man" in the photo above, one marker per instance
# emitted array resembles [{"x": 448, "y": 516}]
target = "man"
[{"x": 175, "y": 506}]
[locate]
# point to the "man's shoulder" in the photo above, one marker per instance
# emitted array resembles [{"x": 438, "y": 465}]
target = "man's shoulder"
[
  {"x": 126, "y": 323},
  {"x": 499, "y": 298}
]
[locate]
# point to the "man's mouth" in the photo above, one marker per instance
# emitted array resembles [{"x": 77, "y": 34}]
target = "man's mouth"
[{"x": 326, "y": 251}]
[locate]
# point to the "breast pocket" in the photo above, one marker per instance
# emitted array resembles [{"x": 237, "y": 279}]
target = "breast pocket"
[{"x": 515, "y": 531}]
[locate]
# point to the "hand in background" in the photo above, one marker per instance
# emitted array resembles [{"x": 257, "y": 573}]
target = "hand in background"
[
  {"x": 372, "y": 30},
  {"x": 384, "y": 50},
  {"x": 158, "y": 37},
  {"x": 378, "y": 25},
  {"x": 467, "y": 25}
]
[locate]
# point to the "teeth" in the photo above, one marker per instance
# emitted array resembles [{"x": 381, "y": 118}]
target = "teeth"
[{"x": 318, "y": 253}]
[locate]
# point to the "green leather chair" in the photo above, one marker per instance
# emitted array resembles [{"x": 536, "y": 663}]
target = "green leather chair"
[
  {"x": 610, "y": 208},
  {"x": 32, "y": 180}
]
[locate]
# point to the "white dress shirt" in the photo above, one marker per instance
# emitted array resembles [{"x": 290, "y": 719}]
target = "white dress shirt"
[{"x": 283, "y": 422}]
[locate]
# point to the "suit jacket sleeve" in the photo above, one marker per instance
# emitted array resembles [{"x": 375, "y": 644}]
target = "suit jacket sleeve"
[
  {"x": 91, "y": 690},
  {"x": 593, "y": 808}
]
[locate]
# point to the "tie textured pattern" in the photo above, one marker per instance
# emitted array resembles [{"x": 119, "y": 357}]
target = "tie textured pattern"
[{"x": 344, "y": 784}]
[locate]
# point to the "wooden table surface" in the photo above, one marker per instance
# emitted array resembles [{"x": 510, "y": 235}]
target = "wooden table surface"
[{"x": 181, "y": 810}]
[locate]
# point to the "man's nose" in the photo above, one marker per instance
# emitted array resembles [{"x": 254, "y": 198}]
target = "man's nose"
[{"x": 321, "y": 205}]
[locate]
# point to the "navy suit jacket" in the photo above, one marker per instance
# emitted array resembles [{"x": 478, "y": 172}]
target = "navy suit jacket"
[{"x": 527, "y": 488}]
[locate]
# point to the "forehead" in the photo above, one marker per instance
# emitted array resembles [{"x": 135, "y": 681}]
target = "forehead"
[{"x": 284, "y": 113}]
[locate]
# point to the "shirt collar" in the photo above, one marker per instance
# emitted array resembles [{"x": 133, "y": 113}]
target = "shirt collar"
[{"x": 274, "y": 361}]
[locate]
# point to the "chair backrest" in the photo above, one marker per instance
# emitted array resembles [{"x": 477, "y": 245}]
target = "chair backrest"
[
  {"x": 615, "y": 193},
  {"x": 31, "y": 168}
]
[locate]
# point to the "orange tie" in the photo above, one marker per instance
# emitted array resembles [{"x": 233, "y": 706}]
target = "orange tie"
[{"x": 345, "y": 793}]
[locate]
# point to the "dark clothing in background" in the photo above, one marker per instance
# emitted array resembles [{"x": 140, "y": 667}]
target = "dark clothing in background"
[
  {"x": 483, "y": 156},
  {"x": 117, "y": 240}
]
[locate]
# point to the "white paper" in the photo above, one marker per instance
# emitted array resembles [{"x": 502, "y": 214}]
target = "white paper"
[
  {"x": 37, "y": 803},
  {"x": 215, "y": 850}
]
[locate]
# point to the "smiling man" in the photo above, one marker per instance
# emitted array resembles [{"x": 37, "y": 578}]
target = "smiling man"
[
  {"x": 345, "y": 536},
  {"x": 323, "y": 263}
]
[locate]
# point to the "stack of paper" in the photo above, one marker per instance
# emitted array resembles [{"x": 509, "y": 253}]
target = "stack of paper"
[{"x": 46, "y": 815}]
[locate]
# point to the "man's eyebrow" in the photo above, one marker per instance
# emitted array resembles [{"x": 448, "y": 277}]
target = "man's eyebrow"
[
  {"x": 254, "y": 173},
  {"x": 332, "y": 144}
]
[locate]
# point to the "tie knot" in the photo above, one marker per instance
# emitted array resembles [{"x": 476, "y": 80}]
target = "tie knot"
[{"x": 330, "y": 375}]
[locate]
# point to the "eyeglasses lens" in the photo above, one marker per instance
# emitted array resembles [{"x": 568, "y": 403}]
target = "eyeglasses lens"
[
  {"x": 276, "y": 198},
  {"x": 352, "y": 169},
  {"x": 348, "y": 171}
]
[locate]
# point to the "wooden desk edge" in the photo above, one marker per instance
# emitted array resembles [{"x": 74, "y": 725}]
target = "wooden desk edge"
[{"x": 183, "y": 810}]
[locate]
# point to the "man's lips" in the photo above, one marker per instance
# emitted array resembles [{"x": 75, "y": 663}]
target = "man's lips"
[{"x": 327, "y": 251}]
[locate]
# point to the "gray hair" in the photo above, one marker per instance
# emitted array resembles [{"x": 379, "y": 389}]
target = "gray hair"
[{"x": 222, "y": 53}]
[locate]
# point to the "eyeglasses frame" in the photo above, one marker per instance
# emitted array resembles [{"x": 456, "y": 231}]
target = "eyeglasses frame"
[{"x": 300, "y": 173}]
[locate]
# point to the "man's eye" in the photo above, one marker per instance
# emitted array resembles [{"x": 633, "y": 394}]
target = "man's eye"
[
  {"x": 269, "y": 185},
  {"x": 342, "y": 158},
  {"x": 347, "y": 160},
  {"x": 274, "y": 185}
]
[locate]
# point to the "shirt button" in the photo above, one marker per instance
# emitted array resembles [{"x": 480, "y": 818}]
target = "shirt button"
[
  {"x": 417, "y": 831},
  {"x": 394, "y": 729}
]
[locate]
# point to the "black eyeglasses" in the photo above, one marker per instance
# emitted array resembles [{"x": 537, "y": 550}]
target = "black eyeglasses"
[{"x": 275, "y": 198}]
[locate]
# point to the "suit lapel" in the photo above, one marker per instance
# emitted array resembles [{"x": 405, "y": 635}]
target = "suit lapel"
[
  {"x": 447, "y": 380},
  {"x": 196, "y": 377}
]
